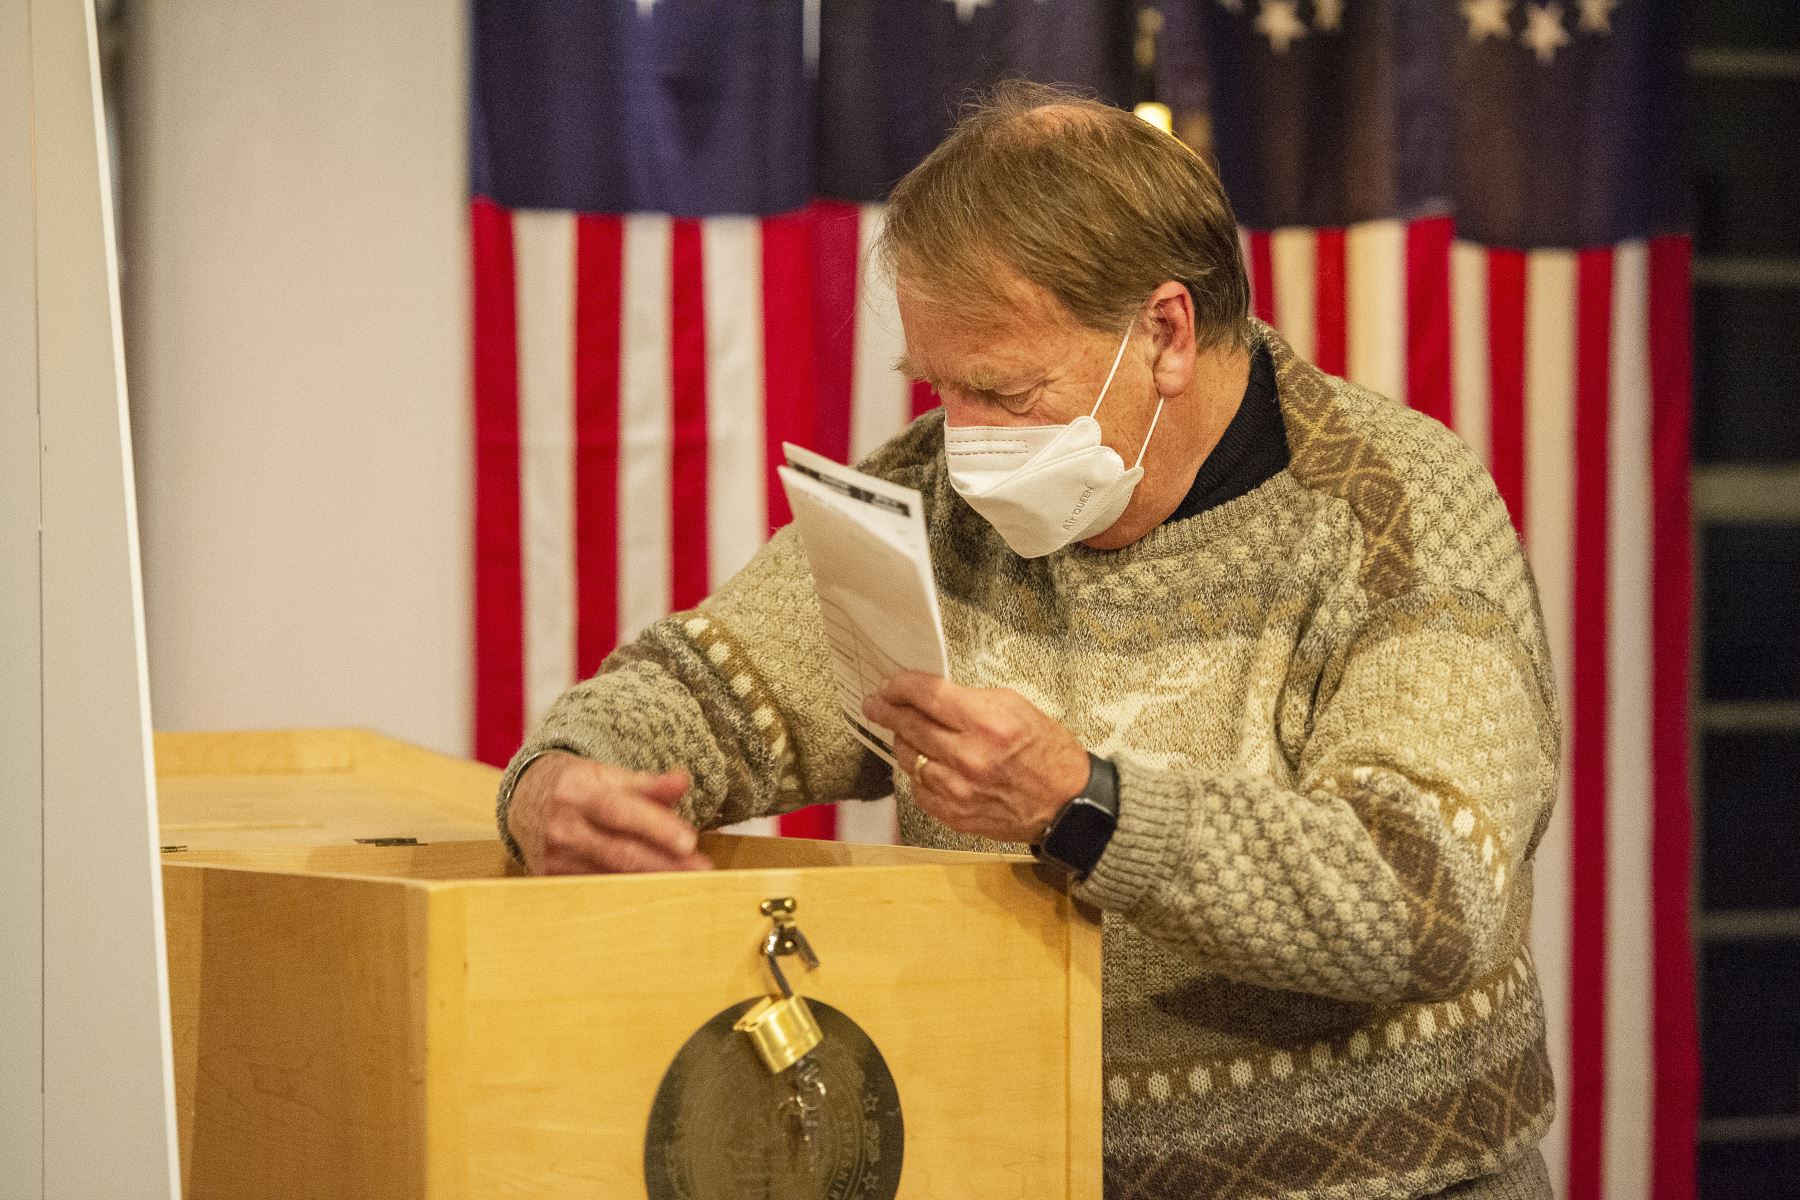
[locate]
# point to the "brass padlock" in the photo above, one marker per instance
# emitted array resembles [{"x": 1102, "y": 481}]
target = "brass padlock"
[
  {"x": 783, "y": 1030},
  {"x": 781, "y": 1027}
]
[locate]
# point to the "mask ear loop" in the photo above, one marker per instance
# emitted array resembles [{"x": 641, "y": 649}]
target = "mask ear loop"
[
  {"x": 1154, "y": 417},
  {"x": 1105, "y": 387}
]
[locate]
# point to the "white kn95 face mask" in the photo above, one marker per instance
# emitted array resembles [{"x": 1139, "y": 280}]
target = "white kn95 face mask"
[{"x": 1044, "y": 486}]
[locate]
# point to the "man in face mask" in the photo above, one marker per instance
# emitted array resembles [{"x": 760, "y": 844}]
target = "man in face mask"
[
  {"x": 1248, "y": 653},
  {"x": 1025, "y": 448}
]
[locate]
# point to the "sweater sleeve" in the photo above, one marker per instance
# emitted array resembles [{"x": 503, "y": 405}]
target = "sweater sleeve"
[
  {"x": 1385, "y": 873},
  {"x": 737, "y": 691}
]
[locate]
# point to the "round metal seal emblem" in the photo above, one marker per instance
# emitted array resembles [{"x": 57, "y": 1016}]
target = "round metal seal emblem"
[{"x": 722, "y": 1127}]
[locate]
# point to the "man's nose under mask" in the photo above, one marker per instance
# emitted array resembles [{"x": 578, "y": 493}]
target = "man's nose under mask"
[{"x": 1044, "y": 486}]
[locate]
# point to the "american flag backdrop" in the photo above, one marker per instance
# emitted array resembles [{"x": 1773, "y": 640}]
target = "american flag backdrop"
[
  {"x": 636, "y": 375},
  {"x": 1472, "y": 206},
  {"x": 671, "y": 221}
]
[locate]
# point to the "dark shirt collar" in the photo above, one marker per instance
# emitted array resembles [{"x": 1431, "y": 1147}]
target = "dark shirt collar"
[{"x": 1252, "y": 450}]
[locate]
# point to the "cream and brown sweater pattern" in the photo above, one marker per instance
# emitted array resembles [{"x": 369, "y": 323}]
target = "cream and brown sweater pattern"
[{"x": 1334, "y": 717}]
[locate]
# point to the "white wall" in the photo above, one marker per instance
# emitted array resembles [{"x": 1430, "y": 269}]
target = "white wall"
[{"x": 296, "y": 312}]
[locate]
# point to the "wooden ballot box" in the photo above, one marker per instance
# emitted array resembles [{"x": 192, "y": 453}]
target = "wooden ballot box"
[{"x": 368, "y": 1000}]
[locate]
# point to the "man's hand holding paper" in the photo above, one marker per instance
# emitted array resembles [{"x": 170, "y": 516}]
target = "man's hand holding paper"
[
  {"x": 871, "y": 566},
  {"x": 984, "y": 761}
]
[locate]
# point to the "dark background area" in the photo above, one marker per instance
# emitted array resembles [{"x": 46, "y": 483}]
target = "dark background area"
[{"x": 1744, "y": 90}]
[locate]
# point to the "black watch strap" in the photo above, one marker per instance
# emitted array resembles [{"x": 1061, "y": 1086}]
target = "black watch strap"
[{"x": 1078, "y": 835}]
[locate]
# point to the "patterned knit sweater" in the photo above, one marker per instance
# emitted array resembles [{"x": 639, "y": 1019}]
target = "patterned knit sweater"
[{"x": 1332, "y": 708}]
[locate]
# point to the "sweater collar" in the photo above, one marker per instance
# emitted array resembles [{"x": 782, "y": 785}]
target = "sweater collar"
[{"x": 1296, "y": 382}]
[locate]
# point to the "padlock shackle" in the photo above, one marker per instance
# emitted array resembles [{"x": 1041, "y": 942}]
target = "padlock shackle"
[
  {"x": 772, "y": 951},
  {"x": 785, "y": 938}
]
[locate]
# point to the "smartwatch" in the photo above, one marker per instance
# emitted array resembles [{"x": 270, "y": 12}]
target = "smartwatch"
[{"x": 1077, "y": 835}]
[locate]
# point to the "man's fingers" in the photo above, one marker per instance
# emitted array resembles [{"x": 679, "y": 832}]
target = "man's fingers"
[
  {"x": 626, "y": 854},
  {"x": 667, "y": 788},
  {"x": 935, "y": 774},
  {"x": 619, "y": 856},
  {"x": 578, "y": 848},
  {"x": 618, "y": 802},
  {"x": 958, "y": 750},
  {"x": 906, "y": 755},
  {"x": 932, "y": 695},
  {"x": 630, "y": 855},
  {"x": 909, "y": 723},
  {"x": 628, "y": 812}
]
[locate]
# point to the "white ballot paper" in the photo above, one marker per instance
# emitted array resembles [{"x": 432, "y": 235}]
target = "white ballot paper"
[{"x": 871, "y": 565}]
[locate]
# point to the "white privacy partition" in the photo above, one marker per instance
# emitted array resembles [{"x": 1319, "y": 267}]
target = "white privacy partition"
[
  {"x": 85, "y": 1080},
  {"x": 21, "y": 775}
]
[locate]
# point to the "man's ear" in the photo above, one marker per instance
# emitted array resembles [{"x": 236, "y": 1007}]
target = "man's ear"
[{"x": 1170, "y": 312}]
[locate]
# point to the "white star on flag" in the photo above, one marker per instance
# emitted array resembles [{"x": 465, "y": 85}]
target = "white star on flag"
[
  {"x": 1596, "y": 15},
  {"x": 1544, "y": 32},
  {"x": 965, "y": 9},
  {"x": 1328, "y": 15},
  {"x": 1280, "y": 22},
  {"x": 1487, "y": 18}
]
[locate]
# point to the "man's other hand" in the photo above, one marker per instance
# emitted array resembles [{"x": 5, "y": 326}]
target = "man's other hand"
[
  {"x": 985, "y": 761},
  {"x": 573, "y": 816}
]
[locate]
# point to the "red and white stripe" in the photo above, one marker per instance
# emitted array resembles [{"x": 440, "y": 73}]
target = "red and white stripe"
[
  {"x": 636, "y": 375},
  {"x": 1545, "y": 362},
  {"x": 635, "y": 378}
]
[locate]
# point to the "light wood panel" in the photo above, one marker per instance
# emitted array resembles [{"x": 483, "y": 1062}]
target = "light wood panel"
[
  {"x": 581, "y": 991},
  {"x": 486, "y": 858},
  {"x": 504, "y": 1037},
  {"x": 302, "y": 1010},
  {"x": 1086, "y": 1071},
  {"x": 730, "y": 851},
  {"x": 427, "y": 860},
  {"x": 296, "y": 788},
  {"x": 455, "y": 782},
  {"x": 419, "y": 1021}
]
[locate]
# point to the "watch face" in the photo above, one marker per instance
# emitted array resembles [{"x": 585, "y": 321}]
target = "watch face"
[{"x": 1080, "y": 834}]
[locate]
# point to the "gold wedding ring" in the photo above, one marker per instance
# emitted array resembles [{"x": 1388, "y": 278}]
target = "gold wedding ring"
[{"x": 919, "y": 768}]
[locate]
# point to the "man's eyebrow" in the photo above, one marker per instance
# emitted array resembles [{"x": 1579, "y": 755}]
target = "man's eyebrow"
[{"x": 979, "y": 380}]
